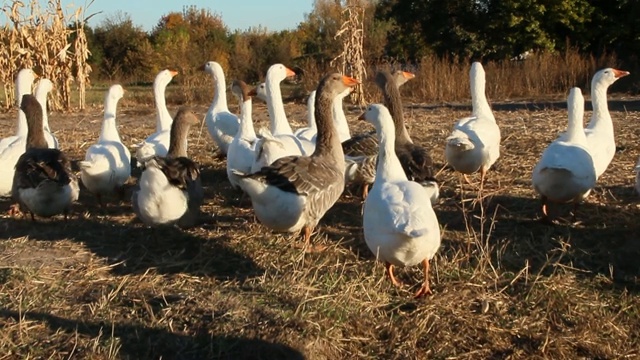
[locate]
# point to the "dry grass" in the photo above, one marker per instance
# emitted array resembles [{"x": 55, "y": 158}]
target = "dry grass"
[{"x": 103, "y": 286}]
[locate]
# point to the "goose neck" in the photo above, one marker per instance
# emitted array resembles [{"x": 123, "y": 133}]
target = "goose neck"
[
  {"x": 600, "y": 116},
  {"x": 389, "y": 167},
  {"x": 220, "y": 97},
  {"x": 163, "y": 121},
  {"x": 340, "y": 119},
  {"x": 109, "y": 130},
  {"x": 327, "y": 141},
  {"x": 178, "y": 140},
  {"x": 246, "y": 131},
  {"x": 275, "y": 106},
  {"x": 35, "y": 132}
]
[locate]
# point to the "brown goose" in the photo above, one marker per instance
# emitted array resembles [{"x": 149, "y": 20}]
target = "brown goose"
[
  {"x": 43, "y": 182},
  {"x": 416, "y": 161},
  {"x": 170, "y": 187},
  {"x": 294, "y": 192},
  {"x": 366, "y": 144}
]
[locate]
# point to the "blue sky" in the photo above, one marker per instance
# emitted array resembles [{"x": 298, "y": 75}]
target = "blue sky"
[{"x": 236, "y": 14}]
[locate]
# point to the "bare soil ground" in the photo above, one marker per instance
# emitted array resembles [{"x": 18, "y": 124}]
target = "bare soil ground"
[{"x": 505, "y": 286}]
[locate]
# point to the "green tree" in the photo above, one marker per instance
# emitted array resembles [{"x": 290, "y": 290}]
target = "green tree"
[
  {"x": 126, "y": 51},
  {"x": 187, "y": 40}
]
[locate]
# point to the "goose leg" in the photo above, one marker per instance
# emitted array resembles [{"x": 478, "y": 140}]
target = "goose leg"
[
  {"x": 365, "y": 191},
  {"x": 424, "y": 289},
  {"x": 389, "y": 268},
  {"x": 466, "y": 178},
  {"x": 14, "y": 210},
  {"x": 307, "y": 241},
  {"x": 545, "y": 210},
  {"x": 483, "y": 175}
]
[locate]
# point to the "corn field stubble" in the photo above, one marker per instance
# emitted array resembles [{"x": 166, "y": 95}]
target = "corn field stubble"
[{"x": 103, "y": 286}]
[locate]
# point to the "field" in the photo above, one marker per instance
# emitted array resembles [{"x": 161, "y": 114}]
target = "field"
[{"x": 505, "y": 286}]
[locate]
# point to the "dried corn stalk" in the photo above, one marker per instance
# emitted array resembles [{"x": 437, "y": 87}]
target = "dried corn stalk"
[
  {"x": 41, "y": 40},
  {"x": 351, "y": 59}
]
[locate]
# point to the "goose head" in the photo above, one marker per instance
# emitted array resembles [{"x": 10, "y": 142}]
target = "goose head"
[
  {"x": 260, "y": 92},
  {"x": 279, "y": 72},
  {"x": 43, "y": 87},
  {"x": 241, "y": 90},
  {"x": 213, "y": 68},
  {"x": 24, "y": 80},
  {"x": 378, "y": 115},
  {"x": 115, "y": 93},
  {"x": 164, "y": 77},
  {"x": 401, "y": 77},
  {"x": 607, "y": 76}
]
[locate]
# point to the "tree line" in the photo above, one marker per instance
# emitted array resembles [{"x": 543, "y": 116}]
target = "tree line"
[{"x": 402, "y": 31}]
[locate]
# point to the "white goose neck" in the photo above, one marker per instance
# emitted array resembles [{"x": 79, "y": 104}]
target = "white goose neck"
[
  {"x": 109, "y": 131},
  {"x": 41, "y": 96},
  {"x": 22, "y": 88},
  {"x": 220, "y": 97},
  {"x": 389, "y": 168},
  {"x": 339, "y": 118},
  {"x": 311, "y": 108},
  {"x": 479, "y": 101},
  {"x": 575, "y": 108},
  {"x": 246, "y": 131},
  {"x": 163, "y": 120},
  {"x": 275, "y": 106},
  {"x": 600, "y": 118}
]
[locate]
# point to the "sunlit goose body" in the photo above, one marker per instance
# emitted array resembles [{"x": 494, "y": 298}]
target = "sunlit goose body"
[
  {"x": 24, "y": 81},
  {"x": 107, "y": 163},
  {"x": 415, "y": 159},
  {"x": 170, "y": 188},
  {"x": 599, "y": 131},
  {"x": 474, "y": 143},
  {"x": 221, "y": 124},
  {"x": 43, "y": 87},
  {"x": 242, "y": 150},
  {"x": 295, "y": 192},
  {"x": 400, "y": 226},
  {"x": 278, "y": 141},
  {"x": 566, "y": 171},
  {"x": 43, "y": 183},
  {"x": 158, "y": 142}
]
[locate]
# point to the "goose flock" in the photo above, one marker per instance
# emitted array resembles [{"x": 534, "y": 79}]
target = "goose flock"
[{"x": 294, "y": 177}]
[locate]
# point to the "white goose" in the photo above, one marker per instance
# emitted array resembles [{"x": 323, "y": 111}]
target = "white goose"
[
  {"x": 242, "y": 150},
  {"x": 13, "y": 146},
  {"x": 474, "y": 144},
  {"x": 600, "y": 137},
  {"x": 339, "y": 119},
  {"x": 400, "y": 226},
  {"x": 566, "y": 170},
  {"x": 107, "y": 163},
  {"x": 24, "y": 81},
  {"x": 41, "y": 91},
  {"x": 158, "y": 142},
  {"x": 294, "y": 192},
  {"x": 222, "y": 124},
  {"x": 43, "y": 182},
  {"x": 279, "y": 140},
  {"x": 170, "y": 187}
]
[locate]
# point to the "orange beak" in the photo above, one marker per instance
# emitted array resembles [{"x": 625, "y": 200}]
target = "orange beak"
[
  {"x": 361, "y": 117},
  {"x": 173, "y": 72},
  {"x": 290, "y": 72},
  {"x": 407, "y": 75},
  {"x": 252, "y": 92},
  {"x": 349, "y": 81},
  {"x": 620, "y": 73}
]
